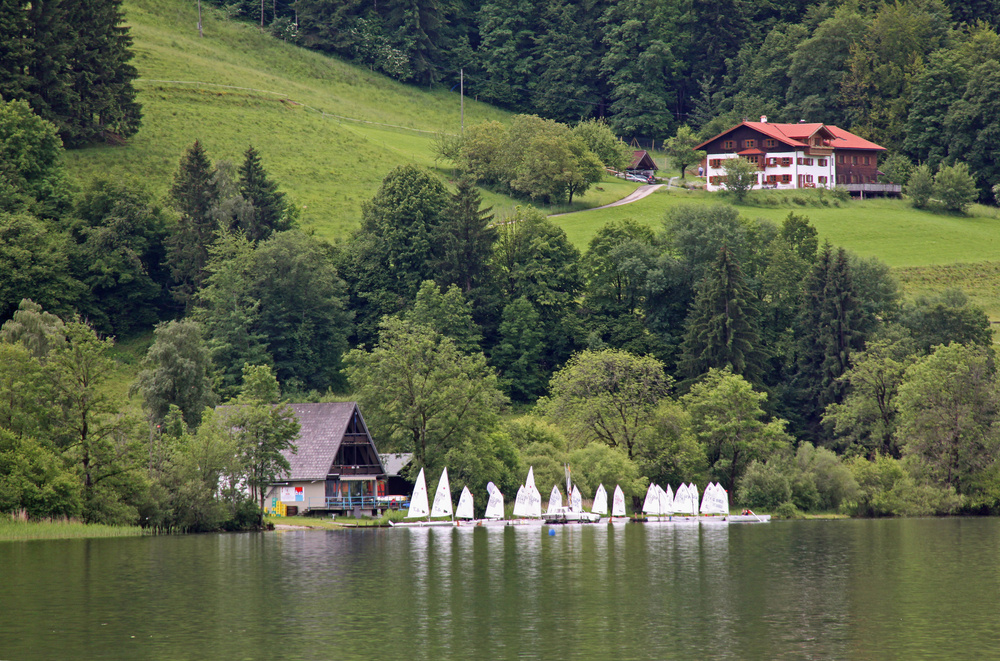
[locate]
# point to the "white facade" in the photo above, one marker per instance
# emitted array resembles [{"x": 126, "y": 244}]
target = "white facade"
[{"x": 782, "y": 170}]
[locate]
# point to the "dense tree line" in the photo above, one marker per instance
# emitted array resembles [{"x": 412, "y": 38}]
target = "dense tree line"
[
  {"x": 712, "y": 346},
  {"x": 71, "y": 62},
  {"x": 919, "y": 77}
]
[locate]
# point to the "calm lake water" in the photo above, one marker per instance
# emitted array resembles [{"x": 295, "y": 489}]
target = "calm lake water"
[{"x": 892, "y": 589}]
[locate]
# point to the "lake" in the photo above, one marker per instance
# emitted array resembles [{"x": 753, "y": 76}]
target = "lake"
[{"x": 844, "y": 589}]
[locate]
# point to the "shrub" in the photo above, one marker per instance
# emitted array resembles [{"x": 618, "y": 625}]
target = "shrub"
[
  {"x": 840, "y": 194},
  {"x": 787, "y": 510},
  {"x": 763, "y": 485},
  {"x": 888, "y": 488},
  {"x": 920, "y": 187},
  {"x": 955, "y": 187}
]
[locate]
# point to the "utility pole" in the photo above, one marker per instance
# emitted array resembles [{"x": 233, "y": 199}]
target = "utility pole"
[
  {"x": 461, "y": 93},
  {"x": 199, "y": 19},
  {"x": 261, "y": 14}
]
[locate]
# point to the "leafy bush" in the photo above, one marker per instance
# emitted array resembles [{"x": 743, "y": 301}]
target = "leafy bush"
[
  {"x": 787, "y": 510},
  {"x": 955, "y": 187},
  {"x": 840, "y": 194},
  {"x": 764, "y": 486},
  {"x": 888, "y": 488},
  {"x": 920, "y": 187}
]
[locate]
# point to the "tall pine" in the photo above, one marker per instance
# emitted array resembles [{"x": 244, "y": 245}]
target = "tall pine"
[
  {"x": 465, "y": 239},
  {"x": 269, "y": 213},
  {"x": 194, "y": 194},
  {"x": 16, "y": 49},
  {"x": 828, "y": 332},
  {"x": 723, "y": 329}
]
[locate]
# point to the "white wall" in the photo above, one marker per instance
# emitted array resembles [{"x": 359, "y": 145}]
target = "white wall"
[{"x": 794, "y": 170}]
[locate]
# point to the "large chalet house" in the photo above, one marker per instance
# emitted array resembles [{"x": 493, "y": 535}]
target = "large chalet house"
[{"x": 795, "y": 156}]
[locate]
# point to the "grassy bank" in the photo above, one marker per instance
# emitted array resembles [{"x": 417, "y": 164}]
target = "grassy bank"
[{"x": 20, "y": 531}]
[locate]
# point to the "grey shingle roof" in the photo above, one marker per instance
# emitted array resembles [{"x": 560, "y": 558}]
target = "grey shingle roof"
[
  {"x": 394, "y": 462},
  {"x": 322, "y": 430}
]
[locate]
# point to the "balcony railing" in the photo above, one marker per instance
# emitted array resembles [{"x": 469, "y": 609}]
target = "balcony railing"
[{"x": 893, "y": 189}]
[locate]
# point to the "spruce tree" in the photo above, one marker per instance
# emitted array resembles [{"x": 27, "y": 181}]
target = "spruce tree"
[
  {"x": 15, "y": 49},
  {"x": 465, "y": 239},
  {"x": 194, "y": 194},
  {"x": 827, "y": 334},
  {"x": 723, "y": 329},
  {"x": 269, "y": 208}
]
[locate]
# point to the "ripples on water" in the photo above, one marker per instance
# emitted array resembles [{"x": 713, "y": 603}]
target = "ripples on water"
[{"x": 785, "y": 590}]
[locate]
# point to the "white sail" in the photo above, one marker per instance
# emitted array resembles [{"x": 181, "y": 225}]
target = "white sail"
[
  {"x": 680, "y": 503},
  {"x": 666, "y": 501},
  {"x": 520, "y": 503},
  {"x": 693, "y": 499},
  {"x": 418, "y": 501},
  {"x": 715, "y": 501},
  {"x": 618, "y": 502},
  {"x": 464, "y": 509},
  {"x": 489, "y": 488},
  {"x": 534, "y": 501},
  {"x": 668, "y": 506},
  {"x": 555, "y": 499},
  {"x": 575, "y": 500},
  {"x": 652, "y": 503},
  {"x": 494, "y": 508},
  {"x": 529, "y": 483},
  {"x": 600, "y": 501},
  {"x": 442, "y": 497}
]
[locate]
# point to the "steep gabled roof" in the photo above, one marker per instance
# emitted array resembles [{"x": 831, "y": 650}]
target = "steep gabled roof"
[
  {"x": 322, "y": 428},
  {"x": 641, "y": 160}
]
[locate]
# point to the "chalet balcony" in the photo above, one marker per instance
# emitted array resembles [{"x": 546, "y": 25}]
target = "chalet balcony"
[
  {"x": 372, "y": 470},
  {"x": 819, "y": 152},
  {"x": 883, "y": 190}
]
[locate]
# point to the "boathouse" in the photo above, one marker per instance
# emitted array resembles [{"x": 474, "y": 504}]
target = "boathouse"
[{"x": 336, "y": 468}]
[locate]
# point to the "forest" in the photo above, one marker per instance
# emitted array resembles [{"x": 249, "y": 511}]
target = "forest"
[
  {"x": 918, "y": 77},
  {"x": 715, "y": 346}
]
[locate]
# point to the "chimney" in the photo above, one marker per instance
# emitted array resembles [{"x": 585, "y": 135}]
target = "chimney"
[{"x": 763, "y": 119}]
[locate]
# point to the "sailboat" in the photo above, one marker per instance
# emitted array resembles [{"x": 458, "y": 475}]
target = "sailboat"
[
  {"x": 528, "y": 504},
  {"x": 418, "y": 503},
  {"x": 575, "y": 512},
  {"x": 464, "y": 509},
  {"x": 555, "y": 499},
  {"x": 494, "y": 508},
  {"x": 685, "y": 504},
  {"x": 618, "y": 506},
  {"x": 600, "y": 505},
  {"x": 714, "y": 503}
]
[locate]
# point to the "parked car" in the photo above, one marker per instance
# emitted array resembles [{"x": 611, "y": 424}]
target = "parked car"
[{"x": 638, "y": 177}]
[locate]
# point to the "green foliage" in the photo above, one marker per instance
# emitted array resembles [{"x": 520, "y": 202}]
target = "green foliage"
[
  {"x": 421, "y": 394},
  {"x": 602, "y": 141},
  {"x": 866, "y": 419},
  {"x": 764, "y": 486},
  {"x": 897, "y": 169},
  {"x": 698, "y": 233},
  {"x": 597, "y": 463},
  {"x": 518, "y": 354},
  {"x": 34, "y": 258},
  {"x": 681, "y": 149},
  {"x": 727, "y": 419},
  {"x": 946, "y": 317},
  {"x": 955, "y": 187},
  {"x": 176, "y": 373},
  {"x": 30, "y": 155},
  {"x": 887, "y": 487},
  {"x": 800, "y": 235},
  {"x": 465, "y": 240},
  {"x": 669, "y": 452},
  {"x": 948, "y": 407},
  {"x": 35, "y": 480},
  {"x": 920, "y": 186},
  {"x": 608, "y": 396},
  {"x": 723, "y": 328},
  {"x": 269, "y": 210},
  {"x": 262, "y": 430},
  {"x": 448, "y": 313},
  {"x": 741, "y": 177}
]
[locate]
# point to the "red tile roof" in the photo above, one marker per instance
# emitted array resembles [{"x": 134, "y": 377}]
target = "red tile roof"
[{"x": 797, "y": 135}]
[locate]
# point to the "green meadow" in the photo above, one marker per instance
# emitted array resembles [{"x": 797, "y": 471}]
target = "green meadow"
[{"x": 328, "y": 131}]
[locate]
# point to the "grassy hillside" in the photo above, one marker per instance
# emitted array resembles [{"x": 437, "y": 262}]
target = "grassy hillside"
[
  {"x": 928, "y": 251},
  {"x": 327, "y": 131}
]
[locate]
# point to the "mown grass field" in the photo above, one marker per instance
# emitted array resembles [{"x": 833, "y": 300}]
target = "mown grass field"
[{"x": 327, "y": 131}]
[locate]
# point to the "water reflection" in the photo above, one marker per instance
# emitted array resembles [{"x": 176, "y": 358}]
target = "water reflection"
[{"x": 843, "y": 589}]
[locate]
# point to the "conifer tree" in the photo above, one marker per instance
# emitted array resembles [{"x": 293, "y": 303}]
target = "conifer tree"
[
  {"x": 194, "y": 194},
  {"x": 465, "y": 239},
  {"x": 15, "y": 49},
  {"x": 269, "y": 207},
  {"x": 828, "y": 334},
  {"x": 723, "y": 327}
]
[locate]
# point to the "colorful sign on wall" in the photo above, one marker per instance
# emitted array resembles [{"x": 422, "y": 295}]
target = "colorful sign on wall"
[{"x": 292, "y": 494}]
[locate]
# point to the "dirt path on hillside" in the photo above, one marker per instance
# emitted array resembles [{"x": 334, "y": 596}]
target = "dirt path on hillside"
[{"x": 634, "y": 196}]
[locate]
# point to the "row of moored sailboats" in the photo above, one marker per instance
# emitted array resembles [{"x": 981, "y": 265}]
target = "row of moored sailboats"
[{"x": 659, "y": 506}]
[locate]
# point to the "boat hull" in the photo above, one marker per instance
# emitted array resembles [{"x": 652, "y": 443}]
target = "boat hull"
[
  {"x": 422, "y": 524},
  {"x": 565, "y": 515},
  {"x": 749, "y": 518}
]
